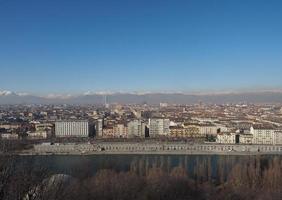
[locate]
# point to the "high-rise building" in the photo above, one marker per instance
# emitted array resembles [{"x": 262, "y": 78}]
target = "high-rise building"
[
  {"x": 106, "y": 102},
  {"x": 72, "y": 128},
  {"x": 159, "y": 127},
  {"x": 99, "y": 127},
  {"x": 136, "y": 128}
]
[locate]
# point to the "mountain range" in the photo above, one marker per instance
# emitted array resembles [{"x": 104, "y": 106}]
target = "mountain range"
[{"x": 8, "y": 97}]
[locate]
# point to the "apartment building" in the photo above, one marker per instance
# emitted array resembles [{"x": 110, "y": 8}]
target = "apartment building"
[
  {"x": 77, "y": 128},
  {"x": 136, "y": 128},
  {"x": 159, "y": 127}
]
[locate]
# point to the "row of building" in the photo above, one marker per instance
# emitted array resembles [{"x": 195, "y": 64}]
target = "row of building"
[
  {"x": 154, "y": 128},
  {"x": 34, "y": 130},
  {"x": 135, "y": 128},
  {"x": 258, "y": 134}
]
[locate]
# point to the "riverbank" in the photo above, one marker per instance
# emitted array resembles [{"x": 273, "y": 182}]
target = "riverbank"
[
  {"x": 159, "y": 148},
  {"x": 148, "y": 153}
]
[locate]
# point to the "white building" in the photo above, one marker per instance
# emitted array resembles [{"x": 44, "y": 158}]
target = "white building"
[
  {"x": 159, "y": 127},
  {"x": 37, "y": 135},
  {"x": 245, "y": 138},
  {"x": 206, "y": 129},
  {"x": 222, "y": 128},
  {"x": 262, "y": 134},
  {"x": 72, "y": 129},
  {"x": 278, "y": 136},
  {"x": 226, "y": 138},
  {"x": 136, "y": 128},
  {"x": 9, "y": 136}
]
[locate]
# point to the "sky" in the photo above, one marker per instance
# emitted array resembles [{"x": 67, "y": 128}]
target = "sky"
[{"x": 70, "y": 46}]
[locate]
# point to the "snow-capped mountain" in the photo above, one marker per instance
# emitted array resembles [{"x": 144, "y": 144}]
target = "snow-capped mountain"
[{"x": 9, "y": 97}]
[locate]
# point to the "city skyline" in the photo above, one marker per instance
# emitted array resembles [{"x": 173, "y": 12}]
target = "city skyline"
[{"x": 68, "y": 47}]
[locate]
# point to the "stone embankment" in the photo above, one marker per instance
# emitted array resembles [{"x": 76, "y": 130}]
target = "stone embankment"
[{"x": 151, "y": 148}]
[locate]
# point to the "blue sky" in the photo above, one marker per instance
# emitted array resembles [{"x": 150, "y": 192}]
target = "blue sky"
[{"x": 70, "y": 46}]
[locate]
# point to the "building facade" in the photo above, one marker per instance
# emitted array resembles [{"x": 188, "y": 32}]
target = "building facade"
[
  {"x": 108, "y": 132},
  {"x": 9, "y": 136},
  {"x": 278, "y": 137},
  {"x": 72, "y": 128},
  {"x": 99, "y": 127},
  {"x": 44, "y": 126},
  {"x": 184, "y": 132},
  {"x": 207, "y": 129},
  {"x": 262, "y": 134},
  {"x": 37, "y": 135},
  {"x": 159, "y": 127},
  {"x": 192, "y": 130},
  {"x": 226, "y": 138},
  {"x": 136, "y": 128},
  {"x": 246, "y": 139},
  {"x": 120, "y": 131}
]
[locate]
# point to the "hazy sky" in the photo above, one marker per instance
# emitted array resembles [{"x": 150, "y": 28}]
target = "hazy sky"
[{"x": 139, "y": 45}]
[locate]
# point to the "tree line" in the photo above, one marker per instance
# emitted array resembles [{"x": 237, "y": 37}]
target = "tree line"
[{"x": 252, "y": 178}]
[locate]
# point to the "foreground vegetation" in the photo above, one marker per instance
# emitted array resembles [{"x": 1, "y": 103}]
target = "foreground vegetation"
[{"x": 254, "y": 178}]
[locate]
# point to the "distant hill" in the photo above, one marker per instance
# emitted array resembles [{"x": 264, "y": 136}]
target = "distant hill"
[{"x": 149, "y": 98}]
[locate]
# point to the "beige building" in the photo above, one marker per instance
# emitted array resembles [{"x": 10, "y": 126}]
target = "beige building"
[
  {"x": 120, "y": 131},
  {"x": 182, "y": 132},
  {"x": 108, "y": 132},
  {"x": 176, "y": 131},
  {"x": 44, "y": 126},
  {"x": 193, "y": 131}
]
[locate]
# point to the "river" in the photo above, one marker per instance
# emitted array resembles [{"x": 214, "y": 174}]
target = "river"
[{"x": 75, "y": 165}]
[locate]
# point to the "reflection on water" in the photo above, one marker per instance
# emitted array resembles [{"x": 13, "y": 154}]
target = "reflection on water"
[{"x": 202, "y": 167}]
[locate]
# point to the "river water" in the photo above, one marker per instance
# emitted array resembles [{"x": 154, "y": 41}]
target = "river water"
[{"x": 209, "y": 165}]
